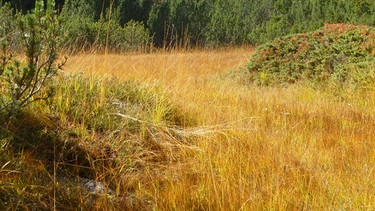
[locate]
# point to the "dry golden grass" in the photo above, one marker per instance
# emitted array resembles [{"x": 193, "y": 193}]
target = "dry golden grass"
[{"x": 259, "y": 148}]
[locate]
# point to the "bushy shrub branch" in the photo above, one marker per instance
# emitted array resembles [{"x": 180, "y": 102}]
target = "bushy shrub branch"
[{"x": 22, "y": 77}]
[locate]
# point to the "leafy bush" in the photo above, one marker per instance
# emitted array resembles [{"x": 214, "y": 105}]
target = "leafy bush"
[
  {"x": 318, "y": 56},
  {"x": 37, "y": 35},
  {"x": 133, "y": 36},
  {"x": 84, "y": 32}
]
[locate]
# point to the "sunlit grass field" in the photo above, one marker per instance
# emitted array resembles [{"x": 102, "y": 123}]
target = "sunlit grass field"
[
  {"x": 206, "y": 138},
  {"x": 280, "y": 148}
]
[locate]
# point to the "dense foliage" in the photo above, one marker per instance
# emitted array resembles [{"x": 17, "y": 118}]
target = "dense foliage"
[
  {"x": 184, "y": 23},
  {"x": 37, "y": 35},
  {"x": 331, "y": 52}
]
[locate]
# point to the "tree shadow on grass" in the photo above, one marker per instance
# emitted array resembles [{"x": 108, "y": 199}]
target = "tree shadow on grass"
[
  {"x": 43, "y": 165},
  {"x": 36, "y": 135}
]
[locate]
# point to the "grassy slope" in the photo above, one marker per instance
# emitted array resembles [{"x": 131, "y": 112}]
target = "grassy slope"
[{"x": 256, "y": 147}]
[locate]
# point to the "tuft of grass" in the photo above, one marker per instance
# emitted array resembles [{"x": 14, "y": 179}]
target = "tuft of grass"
[{"x": 117, "y": 133}]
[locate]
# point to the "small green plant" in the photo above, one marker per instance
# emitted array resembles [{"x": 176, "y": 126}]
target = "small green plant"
[
  {"x": 133, "y": 36},
  {"x": 316, "y": 56},
  {"x": 21, "y": 80}
]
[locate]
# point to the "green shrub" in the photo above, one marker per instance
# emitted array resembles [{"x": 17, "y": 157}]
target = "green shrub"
[
  {"x": 38, "y": 37},
  {"x": 84, "y": 32},
  {"x": 316, "y": 56},
  {"x": 8, "y": 30},
  {"x": 132, "y": 37}
]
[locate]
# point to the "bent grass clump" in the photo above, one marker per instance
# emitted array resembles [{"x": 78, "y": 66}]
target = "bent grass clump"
[{"x": 112, "y": 134}]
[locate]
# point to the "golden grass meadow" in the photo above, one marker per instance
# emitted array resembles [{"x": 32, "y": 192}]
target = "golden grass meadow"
[
  {"x": 238, "y": 146},
  {"x": 291, "y": 148}
]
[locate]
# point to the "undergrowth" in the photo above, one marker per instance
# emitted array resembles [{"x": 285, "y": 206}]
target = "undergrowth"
[{"x": 339, "y": 53}]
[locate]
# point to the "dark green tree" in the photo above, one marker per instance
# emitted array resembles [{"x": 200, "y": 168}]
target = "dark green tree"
[
  {"x": 158, "y": 23},
  {"x": 28, "y": 5},
  {"x": 202, "y": 22}
]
